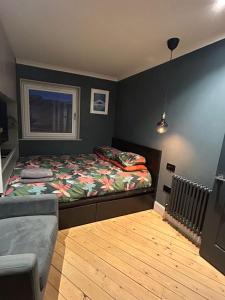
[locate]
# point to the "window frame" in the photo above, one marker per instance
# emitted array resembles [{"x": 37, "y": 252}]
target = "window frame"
[{"x": 25, "y": 86}]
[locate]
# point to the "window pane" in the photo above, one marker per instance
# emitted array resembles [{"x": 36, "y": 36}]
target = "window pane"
[{"x": 50, "y": 111}]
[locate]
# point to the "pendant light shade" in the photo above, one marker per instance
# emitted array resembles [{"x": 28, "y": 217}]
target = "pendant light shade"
[{"x": 162, "y": 126}]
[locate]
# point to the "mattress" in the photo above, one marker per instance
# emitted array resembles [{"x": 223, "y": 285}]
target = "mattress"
[{"x": 76, "y": 177}]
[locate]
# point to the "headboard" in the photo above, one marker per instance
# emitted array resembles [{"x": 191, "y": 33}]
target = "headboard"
[{"x": 152, "y": 156}]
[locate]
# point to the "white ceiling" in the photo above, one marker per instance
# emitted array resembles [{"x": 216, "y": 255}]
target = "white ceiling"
[{"x": 116, "y": 38}]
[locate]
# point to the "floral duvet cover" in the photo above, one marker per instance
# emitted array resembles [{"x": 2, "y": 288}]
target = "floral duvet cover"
[{"x": 76, "y": 177}]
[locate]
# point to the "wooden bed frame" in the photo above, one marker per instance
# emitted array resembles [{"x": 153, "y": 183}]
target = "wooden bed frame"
[{"x": 98, "y": 208}]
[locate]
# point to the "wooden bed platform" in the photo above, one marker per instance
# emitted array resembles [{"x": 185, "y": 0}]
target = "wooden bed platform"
[{"x": 99, "y": 208}]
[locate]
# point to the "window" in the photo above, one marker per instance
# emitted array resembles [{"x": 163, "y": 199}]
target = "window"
[{"x": 49, "y": 111}]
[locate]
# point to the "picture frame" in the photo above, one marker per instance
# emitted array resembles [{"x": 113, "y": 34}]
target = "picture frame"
[{"x": 99, "y": 102}]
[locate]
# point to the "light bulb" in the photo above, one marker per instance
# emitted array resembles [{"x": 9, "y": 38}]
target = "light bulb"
[{"x": 162, "y": 126}]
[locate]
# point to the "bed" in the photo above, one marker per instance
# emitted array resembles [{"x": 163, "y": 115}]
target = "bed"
[{"x": 89, "y": 188}]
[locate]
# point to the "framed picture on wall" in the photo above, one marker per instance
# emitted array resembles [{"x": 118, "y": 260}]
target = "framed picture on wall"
[{"x": 99, "y": 102}]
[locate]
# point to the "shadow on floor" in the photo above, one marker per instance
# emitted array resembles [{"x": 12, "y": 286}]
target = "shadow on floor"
[{"x": 54, "y": 286}]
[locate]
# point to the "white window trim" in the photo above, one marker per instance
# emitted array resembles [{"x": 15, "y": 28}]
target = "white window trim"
[{"x": 25, "y": 85}]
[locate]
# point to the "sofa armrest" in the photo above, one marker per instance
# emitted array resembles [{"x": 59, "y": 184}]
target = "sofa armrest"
[
  {"x": 28, "y": 206},
  {"x": 19, "y": 277}
]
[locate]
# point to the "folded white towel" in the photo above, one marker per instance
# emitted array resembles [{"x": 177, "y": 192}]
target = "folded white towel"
[
  {"x": 36, "y": 173},
  {"x": 35, "y": 180}
]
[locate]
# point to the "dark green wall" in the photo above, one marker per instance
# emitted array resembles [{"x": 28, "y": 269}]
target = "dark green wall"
[
  {"x": 94, "y": 129},
  {"x": 195, "y": 113}
]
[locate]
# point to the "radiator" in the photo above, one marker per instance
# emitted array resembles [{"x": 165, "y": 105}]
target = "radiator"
[{"x": 186, "y": 207}]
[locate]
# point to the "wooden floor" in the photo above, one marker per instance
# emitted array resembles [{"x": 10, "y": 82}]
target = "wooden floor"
[{"x": 131, "y": 257}]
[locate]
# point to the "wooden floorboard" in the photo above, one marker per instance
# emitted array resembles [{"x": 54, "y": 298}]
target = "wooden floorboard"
[{"x": 138, "y": 256}]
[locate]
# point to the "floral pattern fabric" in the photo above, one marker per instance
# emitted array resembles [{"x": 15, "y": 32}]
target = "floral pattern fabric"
[
  {"x": 76, "y": 177},
  {"x": 107, "y": 151},
  {"x": 129, "y": 159}
]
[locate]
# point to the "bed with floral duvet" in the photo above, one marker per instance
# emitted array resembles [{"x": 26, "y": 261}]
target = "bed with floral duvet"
[{"x": 77, "y": 177}]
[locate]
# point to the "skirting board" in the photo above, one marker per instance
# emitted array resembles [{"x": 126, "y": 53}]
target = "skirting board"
[{"x": 159, "y": 208}]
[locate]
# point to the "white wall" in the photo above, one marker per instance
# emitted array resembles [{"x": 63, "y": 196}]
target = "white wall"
[
  {"x": 7, "y": 67},
  {"x": 8, "y": 88},
  {"x": 8, "y": 82}
]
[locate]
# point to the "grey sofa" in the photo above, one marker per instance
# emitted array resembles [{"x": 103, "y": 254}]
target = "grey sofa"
[{"x": 28, "y": 230}]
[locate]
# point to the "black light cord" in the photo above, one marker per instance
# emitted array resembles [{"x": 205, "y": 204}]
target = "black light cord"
[{"x": 166, "y": 88}]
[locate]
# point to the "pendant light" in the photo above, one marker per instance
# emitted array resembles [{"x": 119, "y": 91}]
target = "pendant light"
[{"x": 162, "y": 126}]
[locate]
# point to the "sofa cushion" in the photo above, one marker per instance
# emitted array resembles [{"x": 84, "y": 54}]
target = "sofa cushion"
[{"x": 30, "y": 234}]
